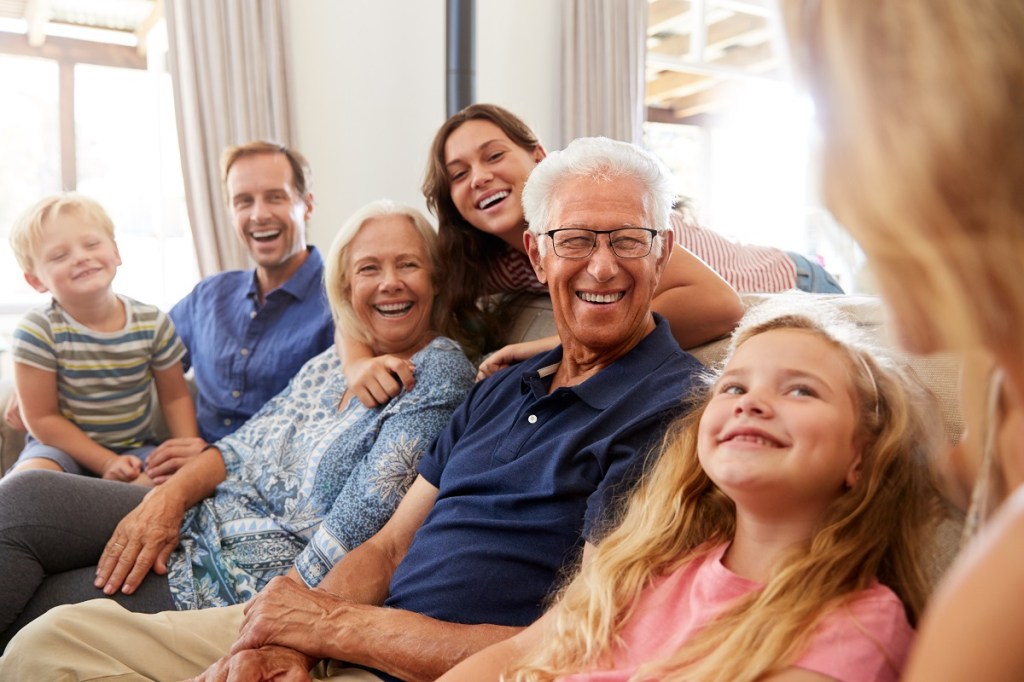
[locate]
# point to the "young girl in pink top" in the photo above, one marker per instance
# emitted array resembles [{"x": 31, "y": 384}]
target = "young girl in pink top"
[{"x": 778, "y": 537}]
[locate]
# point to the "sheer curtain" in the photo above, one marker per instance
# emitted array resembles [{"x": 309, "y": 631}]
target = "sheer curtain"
[
  {"x": 227, "y": 63},
  {"x": 603, "y": 50}
]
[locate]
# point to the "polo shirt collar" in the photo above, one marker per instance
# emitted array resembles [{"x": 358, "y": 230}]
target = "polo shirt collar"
[{"x": 604, "y": 388}]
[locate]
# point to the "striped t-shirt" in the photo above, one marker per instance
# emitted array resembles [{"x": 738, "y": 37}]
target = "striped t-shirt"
[{"x": 104, "y": 379}]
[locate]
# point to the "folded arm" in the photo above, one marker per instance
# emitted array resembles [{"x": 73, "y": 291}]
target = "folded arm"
[{"x": 699, "y": 305}]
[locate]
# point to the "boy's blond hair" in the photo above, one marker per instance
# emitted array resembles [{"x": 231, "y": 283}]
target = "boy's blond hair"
[{"x": 27, "y": 232}]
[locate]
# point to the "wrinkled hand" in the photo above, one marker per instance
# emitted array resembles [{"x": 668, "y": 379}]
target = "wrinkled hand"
[
  {"x": 285, "y": 613},
  {"x": 512, "y": 354},
  {"x": 123, "y": 468},
  {"x": 273, "y": 663},
  {"x": 143, "y": 540},
  {"x": 12, "y": 414},
  {"x": 171, "y": 455},
  {"x": 377, "y": 380}
]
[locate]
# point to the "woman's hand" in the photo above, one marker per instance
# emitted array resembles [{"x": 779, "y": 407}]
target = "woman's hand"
[
  {"x": 377, "y": 380},
  {"x": 171, "y": 455},
  {"x": 144, "y": 539},
  {"x": 123, "y": 468},
  {"x": 513, "y": 353}
]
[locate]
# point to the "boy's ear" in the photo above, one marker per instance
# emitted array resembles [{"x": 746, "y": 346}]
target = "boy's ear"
[
  {"x": 117, "y": 254},
  {"x": 35, "y": 283}
]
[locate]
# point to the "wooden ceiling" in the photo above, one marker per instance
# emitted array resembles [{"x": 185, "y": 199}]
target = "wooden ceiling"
[
  {"x": 698, "y": 51},
  {"x": 126, "y": 22}
]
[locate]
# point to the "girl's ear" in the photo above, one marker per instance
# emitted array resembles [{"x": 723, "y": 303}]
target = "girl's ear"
[{"x": 853, "y": 473}]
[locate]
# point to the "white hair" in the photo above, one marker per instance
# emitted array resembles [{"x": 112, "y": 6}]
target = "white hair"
[{"x": 602, "y": 159}]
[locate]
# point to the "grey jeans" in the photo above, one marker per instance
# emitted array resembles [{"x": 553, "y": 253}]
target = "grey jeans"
[{"x": 53, "y": 528}]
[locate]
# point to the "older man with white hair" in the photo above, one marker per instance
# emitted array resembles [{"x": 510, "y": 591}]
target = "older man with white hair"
[{"x": 505, "y": 499}]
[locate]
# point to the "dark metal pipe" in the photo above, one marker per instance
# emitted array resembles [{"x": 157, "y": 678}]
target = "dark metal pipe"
[{"x": 461, "y": 54}]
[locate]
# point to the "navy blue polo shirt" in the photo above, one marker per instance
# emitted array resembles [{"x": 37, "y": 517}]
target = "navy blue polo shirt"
[{"x": 523, "y": 477}]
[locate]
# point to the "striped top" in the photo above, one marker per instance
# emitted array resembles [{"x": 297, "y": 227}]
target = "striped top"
[
  {"x": 748, "y": 268},
  {"x": 104, "y": 379}
]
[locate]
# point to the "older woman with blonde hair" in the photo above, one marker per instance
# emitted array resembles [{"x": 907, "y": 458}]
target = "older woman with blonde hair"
[
  {"x": 920, "y": 102},
  {"x": 313, "y": 474}
]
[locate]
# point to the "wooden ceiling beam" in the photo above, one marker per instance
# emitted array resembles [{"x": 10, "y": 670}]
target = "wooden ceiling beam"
[{"x": 737, "y": 28}]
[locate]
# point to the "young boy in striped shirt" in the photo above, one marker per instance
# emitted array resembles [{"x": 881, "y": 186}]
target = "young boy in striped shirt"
[{"x": 86, "y": 363}]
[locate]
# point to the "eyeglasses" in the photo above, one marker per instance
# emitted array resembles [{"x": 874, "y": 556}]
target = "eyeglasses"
[{"x": 625, "y": 242}]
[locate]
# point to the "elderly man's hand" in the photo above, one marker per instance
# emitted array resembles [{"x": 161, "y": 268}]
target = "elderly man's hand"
[
  {"x": 289, "y": 614},
  {"x": 171, "y": 455},
  {"x": 274, "y": 663},
  {"x": 144, "y": 539}
]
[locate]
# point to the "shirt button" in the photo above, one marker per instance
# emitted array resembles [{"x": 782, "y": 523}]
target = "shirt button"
[
  {"x": 244, "y": 351},
  {"x": 532, "y": 419},
  {"x": 252, "y": 315},
  {"x": 235, "y": 394},
  {"x": 227, "y": 422}
]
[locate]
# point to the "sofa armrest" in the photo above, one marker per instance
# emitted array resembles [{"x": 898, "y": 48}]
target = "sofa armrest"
[{"x": 11, "y": 441}]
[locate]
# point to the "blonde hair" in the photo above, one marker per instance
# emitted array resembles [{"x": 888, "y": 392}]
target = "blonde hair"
[
  {"x": 878, "y": 528},
  {"x": 337, "y": 276},
  {"x": 27, "y": 232},
  {"x": 923, "y": 155}
]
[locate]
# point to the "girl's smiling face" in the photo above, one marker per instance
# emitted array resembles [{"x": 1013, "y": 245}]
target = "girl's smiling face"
[
  {"x": 487, "y": 171},
  {"x": 779, "y": 432}
]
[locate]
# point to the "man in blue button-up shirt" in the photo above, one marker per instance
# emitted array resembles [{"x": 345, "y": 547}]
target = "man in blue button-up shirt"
[{"x": 249, "y": 331}]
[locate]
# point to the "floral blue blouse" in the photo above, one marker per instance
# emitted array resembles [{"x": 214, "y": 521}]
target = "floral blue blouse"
[{"x": 307, "y": 481}]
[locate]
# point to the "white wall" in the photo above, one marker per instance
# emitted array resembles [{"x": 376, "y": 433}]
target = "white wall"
[{"x": 368, "y": 90}]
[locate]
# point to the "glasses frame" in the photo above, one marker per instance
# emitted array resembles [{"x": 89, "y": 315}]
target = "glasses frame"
[{"x": 593, "y": 247}]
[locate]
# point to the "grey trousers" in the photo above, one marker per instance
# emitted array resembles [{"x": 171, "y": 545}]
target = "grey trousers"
[{"x": 53, "y": 527}]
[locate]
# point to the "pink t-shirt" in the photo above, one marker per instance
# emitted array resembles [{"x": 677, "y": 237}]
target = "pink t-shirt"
[{"x": 867, "y": 640}]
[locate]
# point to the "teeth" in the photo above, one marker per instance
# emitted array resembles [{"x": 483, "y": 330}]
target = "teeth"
[
  {"x": 600, "y": 298},
  {"x": 264, "y": 234},
  {"x": 393, "y": 308},
  {"x": 492, "y": 199},
  {"x": 759, "y": 440}
]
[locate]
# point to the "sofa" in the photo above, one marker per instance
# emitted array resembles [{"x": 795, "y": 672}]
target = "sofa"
[{"x": 534, "y": 319}]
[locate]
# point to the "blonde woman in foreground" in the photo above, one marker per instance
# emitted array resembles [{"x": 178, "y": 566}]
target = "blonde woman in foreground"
[
  {"x": 919, "y": 103},
  {"x": 779, "y": 535}
]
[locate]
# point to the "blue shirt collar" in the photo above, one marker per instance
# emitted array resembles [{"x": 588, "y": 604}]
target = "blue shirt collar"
[
  {"x": 602, "y": 389},
  {"x": 306, "y": 281}
]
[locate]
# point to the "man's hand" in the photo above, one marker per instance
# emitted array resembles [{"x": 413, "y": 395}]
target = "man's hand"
[
  {"x": 12, "y": 414},
  {"x": 377, "y": 380},
  {"x": 144, "y": 539},
  {"x": 170, "y": 456},
  {"x": 123, "y": 468},
  {"x": 272, "y": 663},
  {"x": 286, "y": 613}
]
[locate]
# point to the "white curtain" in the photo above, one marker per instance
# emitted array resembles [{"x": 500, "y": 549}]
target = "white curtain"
[
  {"x": 227, "y": 63},
  {"x": 603, "y": 68}
]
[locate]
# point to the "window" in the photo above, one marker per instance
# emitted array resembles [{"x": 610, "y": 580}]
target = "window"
[
  {"x": 97, "y": 118},
  {"x": 727, "y": 123}
]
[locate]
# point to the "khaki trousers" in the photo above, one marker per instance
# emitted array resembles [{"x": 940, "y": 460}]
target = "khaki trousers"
[{"x": 100, "y": 640}]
